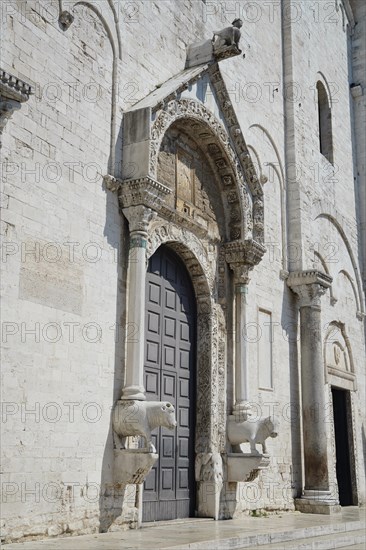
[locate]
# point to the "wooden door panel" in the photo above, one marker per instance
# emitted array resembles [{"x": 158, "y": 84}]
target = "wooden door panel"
[{"x": 169, "y": 490}]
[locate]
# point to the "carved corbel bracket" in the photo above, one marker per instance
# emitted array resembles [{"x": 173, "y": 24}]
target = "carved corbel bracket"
[
  {"x": 309, "y": 286},
  {"x": 131, "y": 466},
  {"x": 245, "y": 467}
]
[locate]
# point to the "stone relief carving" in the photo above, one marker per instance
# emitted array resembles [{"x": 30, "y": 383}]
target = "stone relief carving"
[
  {"x": 208, "y": 467},
  {"x": 131, "y": 466},
  {"x": 204, "y": 366},
  {"x": 65, "y": 20},
  {"x": 190, "y": 109},
  {"x": 252, "y": 431},
  {"x": 221, "y": 376},
  {"x": 161, "y": 233},
  {"x": 132, "y": 418}
]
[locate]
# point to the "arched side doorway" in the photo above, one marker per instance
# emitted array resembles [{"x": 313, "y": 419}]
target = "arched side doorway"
[{"x": 170, "y": 375}]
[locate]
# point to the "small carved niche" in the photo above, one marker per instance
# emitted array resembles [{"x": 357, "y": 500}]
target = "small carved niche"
[{"x": 338, "y": 355}]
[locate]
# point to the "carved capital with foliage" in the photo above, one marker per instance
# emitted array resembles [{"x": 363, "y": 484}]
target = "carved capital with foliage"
[
  {"x": 309, "y": 286},
  {"x": 242, "y": 256}
]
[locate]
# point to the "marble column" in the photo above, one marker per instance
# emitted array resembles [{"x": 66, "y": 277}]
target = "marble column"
[
  {"x": 139, "y": 218},
  {"x": 317, "y": 495},
  {"x": 242, "y": 256},
  {"x": 241, "y": 407}
]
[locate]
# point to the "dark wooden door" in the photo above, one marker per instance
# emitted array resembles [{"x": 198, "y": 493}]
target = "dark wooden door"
[
  {"x": 343, "y": 463},
  {"x": 170, "y": 317}
]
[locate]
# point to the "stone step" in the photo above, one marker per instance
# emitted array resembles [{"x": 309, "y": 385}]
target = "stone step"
[
  {"x": 353, "y": 547},
  {"x": 337, "y": 534},
  {"x": 323, "y": 542}
]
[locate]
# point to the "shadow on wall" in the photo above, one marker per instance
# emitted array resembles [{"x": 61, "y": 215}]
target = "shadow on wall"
[
  {"x": 112, "y": 496},
  {"x": 293, "y": 415},
  {"x": 364, "y": 448}
]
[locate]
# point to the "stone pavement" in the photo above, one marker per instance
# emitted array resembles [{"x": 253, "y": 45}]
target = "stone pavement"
[{"x": 282, "y": 531}]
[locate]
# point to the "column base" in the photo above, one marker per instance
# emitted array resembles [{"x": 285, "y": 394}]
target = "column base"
[
  {"x": 317, "y": 502},
  {"x": 133, "y": 393}
]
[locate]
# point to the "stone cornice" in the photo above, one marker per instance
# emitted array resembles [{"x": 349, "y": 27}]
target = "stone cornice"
[
  {"x": 13, "y": 92},
  {"x": 134, "y": 192},
  {"x": 308, "y": 277},
  {"x": 14, "y": 88}
]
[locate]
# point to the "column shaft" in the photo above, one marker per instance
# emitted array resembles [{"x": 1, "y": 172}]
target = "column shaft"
[
  {"x": 135, "y": 330},
  {"x": 313, "y": 400},
  {"x": 241, "y": 347}
]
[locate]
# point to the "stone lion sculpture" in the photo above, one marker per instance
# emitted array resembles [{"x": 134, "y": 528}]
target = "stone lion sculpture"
[
  {"x": 253, "y": 432},
  {"x": 230, "y": 36}
]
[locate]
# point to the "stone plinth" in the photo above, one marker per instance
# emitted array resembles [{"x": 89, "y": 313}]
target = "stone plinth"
[
  {"x": 317, "y": 502},
  {"x": 132, "y": 465},
  {"x": 245, "y": 467}
]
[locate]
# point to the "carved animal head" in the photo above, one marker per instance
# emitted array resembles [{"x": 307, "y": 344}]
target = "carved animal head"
[
  {"x": 168, "y": 416},
  {"x": 237, "y": 23}
]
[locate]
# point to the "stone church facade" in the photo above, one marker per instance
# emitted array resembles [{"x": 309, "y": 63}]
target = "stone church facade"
[{"x": 183, "y": 261}]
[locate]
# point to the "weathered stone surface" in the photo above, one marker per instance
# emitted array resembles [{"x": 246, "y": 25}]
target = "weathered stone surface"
[{"x": 251, "y": 171}]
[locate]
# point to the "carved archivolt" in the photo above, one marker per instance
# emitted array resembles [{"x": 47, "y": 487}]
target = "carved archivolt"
[
  {"x": 211, "y": 330},
  {"x": 163, "y": 232},
  {"x": 245, "y": 212}
]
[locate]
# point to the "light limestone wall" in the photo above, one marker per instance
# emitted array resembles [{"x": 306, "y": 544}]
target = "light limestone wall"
[
  {"x": 358, "y": 57},
  {"x": 60, "y": 276},
  {"x": 68, "y": 121},
  {"x": 325, "y": 190}
]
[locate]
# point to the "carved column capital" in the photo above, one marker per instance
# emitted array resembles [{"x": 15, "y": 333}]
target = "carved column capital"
[
  {"x": 309, "y": 286},
  {"x": 242, "y": 256},
  {"x": 139, "y": 218}
]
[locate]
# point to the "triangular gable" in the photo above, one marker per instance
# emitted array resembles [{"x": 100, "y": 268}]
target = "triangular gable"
[{"x": 204, "y": 84}]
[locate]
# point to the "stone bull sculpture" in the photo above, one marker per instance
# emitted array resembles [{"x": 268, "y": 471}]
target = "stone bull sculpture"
[
  {"x": 140, "y": 418},
  {"x": 252, "y": 431}
]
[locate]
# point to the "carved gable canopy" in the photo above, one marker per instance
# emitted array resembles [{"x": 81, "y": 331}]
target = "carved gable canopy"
[{"x": 185, "y": 136}]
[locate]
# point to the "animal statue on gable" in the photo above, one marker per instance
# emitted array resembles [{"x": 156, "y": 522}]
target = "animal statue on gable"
[{"x": 230, "y": 36}]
